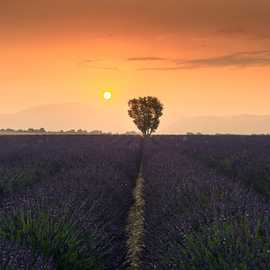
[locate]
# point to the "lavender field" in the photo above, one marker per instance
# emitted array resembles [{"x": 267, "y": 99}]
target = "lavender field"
[
  {"x": 65, "y": 200},
  {"x": 198, "y": 216},
  {"x": 124, "y": 202}
]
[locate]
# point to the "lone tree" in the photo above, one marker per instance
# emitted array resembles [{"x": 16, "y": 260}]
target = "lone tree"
[{"x": 145, "y": 112}]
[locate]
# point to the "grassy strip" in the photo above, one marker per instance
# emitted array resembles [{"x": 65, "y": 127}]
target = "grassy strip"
[
  {"x": 58, "y": 240},
  {"x": 24, "y": 175},
  {"x": 235, "y": 244},
  {"x": 16, "y": 178},
  {"x": 135, "y": 227}
]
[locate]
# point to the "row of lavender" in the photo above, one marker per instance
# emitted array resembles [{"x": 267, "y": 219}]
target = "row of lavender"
[
  {"x": 197, "y": 218},
  {"x": 65, "y": 200},
  {"x": 246, "y": 158}
]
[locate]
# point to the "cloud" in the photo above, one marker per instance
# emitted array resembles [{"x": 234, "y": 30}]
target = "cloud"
[
  {"x": 91, "y": 60},
  {"x": 147, "y": 58},
  {"x": 105, "y": 68},
  {"x": 239, "y": 59},
  {"x": 98, "y": 64},
  {"x": 159, "y": 68},
  {"x": 259, "y": 34},
  {"x": 232, "y": 31},
  {"x": 154, "y": 17}
]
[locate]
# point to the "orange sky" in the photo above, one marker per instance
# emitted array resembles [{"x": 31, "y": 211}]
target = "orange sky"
[{"x": 200, "y": 57}]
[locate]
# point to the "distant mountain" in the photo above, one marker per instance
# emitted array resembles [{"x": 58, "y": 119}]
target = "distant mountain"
[
  {"x": 238, "y": 124},
  {"x": 65, "y": 116},
  {"x": 114, "y": 119}
]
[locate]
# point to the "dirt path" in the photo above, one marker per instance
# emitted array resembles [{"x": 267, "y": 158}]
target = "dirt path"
[{"x": 135, "y": 226}]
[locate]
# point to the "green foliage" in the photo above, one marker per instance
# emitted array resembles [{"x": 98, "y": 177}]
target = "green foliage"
[
  {"x": 53, "y": 239},
  {"x": 16, "y": 178},
  {"x": 8, "y": 267},
  {"x": 227, "y": 165},
  {"x": 253, "y": 173},
  {"x": 237, "y": 245},
  {"x": 145, "y": 112}
]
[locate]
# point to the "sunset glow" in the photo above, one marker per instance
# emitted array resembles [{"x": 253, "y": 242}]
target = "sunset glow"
[{"x": 202, "y": 58}]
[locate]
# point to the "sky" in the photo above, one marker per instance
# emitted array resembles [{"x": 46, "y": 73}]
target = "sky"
[{"x": 199, "y": 57}]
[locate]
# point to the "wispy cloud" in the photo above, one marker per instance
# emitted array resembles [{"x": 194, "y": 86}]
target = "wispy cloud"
[
  {"x": 239, "y": 59},
  {"x": 99, "y": 64},
  {"x": 147, "y": 58},
  {"x": 160, "y": 68},
  {"x": 232, "y": 31},
  {"x": 259, "y": 34},
  {"x": 86, "y": 61},
  {"x": 105, "y": 68}
]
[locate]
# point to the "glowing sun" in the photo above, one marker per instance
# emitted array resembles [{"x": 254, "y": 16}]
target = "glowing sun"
[{"x": 107, "y": 95}]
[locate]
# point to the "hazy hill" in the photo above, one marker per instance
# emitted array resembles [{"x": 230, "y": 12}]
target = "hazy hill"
[
  {"x": 64, "y": 116},
  {"x": 239, "y": 124},
  {"x": 76, "y": 116}
]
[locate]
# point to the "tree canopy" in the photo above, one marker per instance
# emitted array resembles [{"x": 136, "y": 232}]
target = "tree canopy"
[{"x": 146, "y": 113}]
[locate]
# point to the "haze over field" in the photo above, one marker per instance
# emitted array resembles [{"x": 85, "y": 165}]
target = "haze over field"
[
  {"x": 77, "y": 116},
  {"x": 201, "y": 58}
]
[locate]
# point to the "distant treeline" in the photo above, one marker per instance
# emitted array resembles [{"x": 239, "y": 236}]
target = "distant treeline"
[{"x": 70, "y": 131}]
